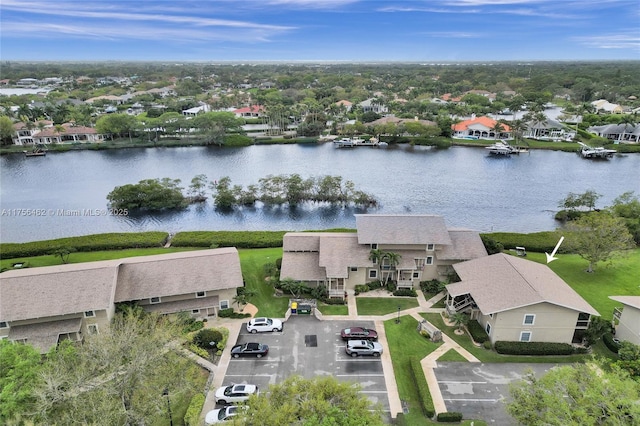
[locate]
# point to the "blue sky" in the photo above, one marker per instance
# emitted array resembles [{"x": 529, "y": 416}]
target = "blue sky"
[{"x": 312, "y": 30}]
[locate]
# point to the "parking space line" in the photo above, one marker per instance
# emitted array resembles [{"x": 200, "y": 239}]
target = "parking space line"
[
  {"x": 471, "y": 400},
  {"x": 458, "y": 382},
  {"x": 246, "y": 375},
  {"x": 359, "y": 375},
  {"x": 358, "y": 360}
]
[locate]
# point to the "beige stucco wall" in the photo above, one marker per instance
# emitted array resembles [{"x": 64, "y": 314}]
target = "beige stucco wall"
[
  {"x": 552, "y": 324},
  {"x": 629, "y": 327},
  {"x": 356, "y": 277}
]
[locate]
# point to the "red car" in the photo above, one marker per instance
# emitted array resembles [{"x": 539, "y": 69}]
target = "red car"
[{"x": 358, "y": 333}]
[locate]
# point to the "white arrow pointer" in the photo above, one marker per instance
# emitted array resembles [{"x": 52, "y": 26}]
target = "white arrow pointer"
[{"x": 550, "y": 257}]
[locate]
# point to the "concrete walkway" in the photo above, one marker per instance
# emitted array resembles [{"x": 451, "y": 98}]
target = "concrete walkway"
[{"x": 428, "y": 363}]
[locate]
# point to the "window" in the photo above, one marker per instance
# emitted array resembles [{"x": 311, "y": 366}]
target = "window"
[
  {"x": 89, "y": 314},
  {"x": 416, "y": 275},
  {"x": 488, "y": 328},
  {"x": 374, "y": 247},
  {"x": 429, "y": 260},
  {"x": 201, "y": 294},
  {"x": 373, "y": 273},
  {"x": 529, "y": 319},
  {"x": 525, "y": 336},
  {"x": 354, "y": 269},
  {"x": 3, "y": 324},
  {"x": 224, "y": 304},
  {"x": 154, "y": 300},
  {"x": 195, "y": 311},
  {"x": 430, "y": 247},
  {"x": 92, "y": 328}
]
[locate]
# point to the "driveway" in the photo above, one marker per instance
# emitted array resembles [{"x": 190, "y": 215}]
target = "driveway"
[
  {"x": 479, "y": 391},
  {"x": 309, "y": 347}
]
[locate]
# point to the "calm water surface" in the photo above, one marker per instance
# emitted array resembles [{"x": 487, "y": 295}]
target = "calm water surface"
[{"x": 465, "y": 185}]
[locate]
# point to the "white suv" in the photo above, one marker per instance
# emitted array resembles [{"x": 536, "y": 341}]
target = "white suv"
[
  {"x": 235, "y": 393},
  {"x": 264, "y": 324}
]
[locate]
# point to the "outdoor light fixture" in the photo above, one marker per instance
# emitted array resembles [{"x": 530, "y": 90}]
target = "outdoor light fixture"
[{"x": 398, "y": 319}]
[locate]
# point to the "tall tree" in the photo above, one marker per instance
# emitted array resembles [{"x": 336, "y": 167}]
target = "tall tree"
[
  {"x": 19, "y": 370},
  {"x": 598, "y": 237},
  {"x": 319, "y": 401},
  {"x": 6, "y": 130},
  {"x": 579, "y": 394}
]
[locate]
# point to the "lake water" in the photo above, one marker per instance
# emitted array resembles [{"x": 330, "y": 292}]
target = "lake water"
[{"x": 465, "y": 185}]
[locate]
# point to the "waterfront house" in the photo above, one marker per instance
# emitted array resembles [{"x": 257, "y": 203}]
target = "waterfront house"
[
  {"x": 425, "y": 250},
  {"x": 371, "y": 105},
  {"x": 518, "y": 300},
  {"x": 548, "y": 130},
  {"x": 480, "y": 128},
  {"x": 252, "y": 111},
  {"x": 43, "y": 306},
  {"x": 606, "y": 106},
  {"x": 24, "y": 131},
  {"x": 67, "y": 133},
  {"x": 619, "y": 133},
  {"x": 628, "y": 318}
]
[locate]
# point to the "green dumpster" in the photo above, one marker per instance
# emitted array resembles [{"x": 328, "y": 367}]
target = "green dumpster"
[{"x": 304, "y": 309}]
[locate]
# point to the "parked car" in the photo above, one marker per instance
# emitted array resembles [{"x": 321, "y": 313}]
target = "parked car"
[
  {"x": 264, "y": 324},
  {"x": 249, "y": 349},
  {"x": 220, "y": 415},
  {"x": 358, "y": 333},
  {"x": 363, "y": 347},
  {"x": 235, "y": 393}
]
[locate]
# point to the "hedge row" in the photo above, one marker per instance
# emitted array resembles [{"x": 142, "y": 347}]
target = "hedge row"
[
  {"x": 192, "y": 416},
  {"x": 536, "y": 348},
  {"x": 405, "y": 292},
  {"x": 450, "y": 417},
  {"x": 96, "y": 242},
  {"x": 239, "y": 239},
  {"x": 537, "y": 241},
  {"x": 607, "y": 338},
  {"x": 423, "y": 387},
  {"x": 477, "y": 331}
]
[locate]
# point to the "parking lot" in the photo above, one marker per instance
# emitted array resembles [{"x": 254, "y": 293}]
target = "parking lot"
[
  {"x": 479, "y": 391},
  {"x": 308, "y": 347}
]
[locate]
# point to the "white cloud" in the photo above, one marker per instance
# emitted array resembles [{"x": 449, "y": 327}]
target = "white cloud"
[{"x": 612, "y": 41}]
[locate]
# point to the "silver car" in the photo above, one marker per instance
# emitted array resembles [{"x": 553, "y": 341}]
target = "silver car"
[{"x": 363, "y": 347}]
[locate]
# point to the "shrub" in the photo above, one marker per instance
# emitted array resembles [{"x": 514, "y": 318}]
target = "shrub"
[
  {"x": 96, "y": 242},
  {"x": 487, "y": 344},
  {"x": 537, "y": 241},
  {"x": 361, "y": 288},
  {"x": 203, "y": 353},
  {"x": 374, "y": 285},
  {"x": 477, "y": 332},
  {"x": 334, "y": 301},
  {"x": 392, "y": 286},
  {"x": 191, "y": 325},
  {"x": 192, "y": 416},
  {"x": 450, "y": 417},
  {"x": 405, "y": 292},
  {"x": 607, "y": 338},
  {"x": 422, "y": 387},
  {"x": 491, "y": 245},
  {"x": 400, "y": 421},
  {"x": 320, "y": 292},
  {"x": 239, "y": 239},
  {"x": 534, "y": 348},
  {"x": 425, "y": 333},
  {"x": 432, "y": 286},
  {"x": 225, "y": 313},
  {"x": 205, "y": 336}
]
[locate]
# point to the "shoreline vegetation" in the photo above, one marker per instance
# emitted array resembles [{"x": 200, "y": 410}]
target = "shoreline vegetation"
[{"x": 238, "y": 141}]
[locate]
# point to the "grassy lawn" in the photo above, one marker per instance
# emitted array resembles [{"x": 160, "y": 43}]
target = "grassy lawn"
[
  {"x": 619, "y": 279},
  {"x": 384, "y": 305},
  {"x": 452, "y": 355},
  {"x": 486, "y": 355},
  {"x": 90, "y": 256},
  {"x": 252, "y": 262},
  {"x": 404, "y": 343},
  {"x": 333, "y": 309}
]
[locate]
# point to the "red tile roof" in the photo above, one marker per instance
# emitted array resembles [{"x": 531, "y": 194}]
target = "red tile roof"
[
  {"x": 252, "y": 109},
  {"x": 485, "y": 121}
]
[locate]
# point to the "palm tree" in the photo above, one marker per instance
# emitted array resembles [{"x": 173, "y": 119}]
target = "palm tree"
[
  {"x": 460, "y": 320},
  {"x": 392, "y": 259},
  {"x": 518, "y": 127},
  {"x": 627, "y": 120},
  {"x": 497, "y": 129}
]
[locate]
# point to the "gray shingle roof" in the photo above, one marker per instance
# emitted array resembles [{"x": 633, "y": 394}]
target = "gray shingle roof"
[
  {"x": 302, "y": 266},
  {"x": 633, "y": 301},
  {"x": 501, "y": 282},
  {"x": 76, "y": 288},
  {"x": 301, "y": 241},
  {"x": 56, "y": 290},
  {"x": 465, "y": 245},
  {"x": 45, "y": 335},
  {"x": 340, "y": 251},
  {"x": 401, "y": 229},
  {"x": 178, "y": 273}
]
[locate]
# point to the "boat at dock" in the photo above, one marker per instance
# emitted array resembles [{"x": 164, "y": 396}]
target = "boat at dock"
[
  {"x": 36, "y": 152},
  {"x": 595, "y": 153},
  {"x": 503, "y": 148}
]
